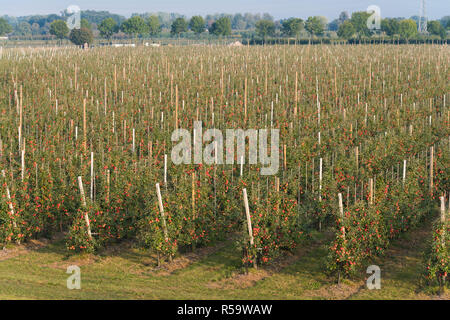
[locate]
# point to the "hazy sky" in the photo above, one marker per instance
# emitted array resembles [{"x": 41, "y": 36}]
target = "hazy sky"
[{"x": 278, "y": 8}]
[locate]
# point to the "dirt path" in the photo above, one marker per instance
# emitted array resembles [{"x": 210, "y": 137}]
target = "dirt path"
[
  {"x": 401, "y": 269},
  {"x": 185, "y": 260},
  {"x": 242, "y": 281},
  {"x": 29, "y": 246}
]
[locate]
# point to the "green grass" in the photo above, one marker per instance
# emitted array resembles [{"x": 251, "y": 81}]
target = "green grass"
[{"x": 130, "y": 273}]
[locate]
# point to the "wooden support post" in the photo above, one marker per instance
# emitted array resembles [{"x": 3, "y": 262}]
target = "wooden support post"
[
  {"x": 124, "y": 131},
  {"x": 113, "y": 123},
  {"x": 443, "y": 236},
  {"x": 176, "y": 106},
  {"x": 115, "y": 82},
  {"x": 105, "y": 97},
  {"x": 320, "y": 179},
  {"x": 296, "y": 94},
  {"x": 108, "y": 184},
  {"x": 8, "y": 196},
  {"x": 371, "y": 190},
  {"x": 19, "y": 129},
  {"x": 165, "y": 170},
  {"x": 23, "y": 164},
  {"x": 442, "y": 209},
  {"x": 193, "y": 195},
  {"x": 161, "y": 210},
  {"x": 249, "y": 222},
  {"x": 431, "y": 168},
  {"x": 84, "y": 204},
  {"x": 134, "y": 143},
  {"x": 92, "y": 176},
  {"x": 245, "y": 101},
  {"x": 341, "y": 208},
  {"x": 404, "y": 171},
  {"x": 84, "y": 126}
]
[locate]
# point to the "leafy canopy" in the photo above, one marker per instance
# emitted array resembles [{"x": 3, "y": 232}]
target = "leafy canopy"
[
  {"x": 5, "y": 27},
  {"x": 292, "y": 27},
  {"x": 154, "y": 27},
  {"x": 197, "y": 24},
  {"x": 134, "y": 26},
  {"x": 346, "y": 30},
  {"x": 221, "y": 27},
  {"x": 81, "y": 36},
  {"x": 407, "y": 29},
  {"x": 315, "y": 26},
  {"x": 265, "y": 28},
  {"x": 178, "y": 26},
  {"x": 108, "y": 27},
  {"x": 59, "y": 29}
]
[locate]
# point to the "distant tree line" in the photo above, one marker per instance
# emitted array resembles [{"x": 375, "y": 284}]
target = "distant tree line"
[{"x": 96, "y": 24}]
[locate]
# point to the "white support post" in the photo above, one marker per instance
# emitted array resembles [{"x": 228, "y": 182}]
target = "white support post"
[
  {"x": 404, "y": 171},
  {"x": 92, "y": 176},
  {"x": 249, "y": 221},
  {"x": 161, "y": 209},
  {"x": 83, "y": 202},
  {"x": 165, "y": 169},
  {"x": 320, "y": 179},
  {"x": 8, "y": 196},
  {"x": 23, "y": 164}
]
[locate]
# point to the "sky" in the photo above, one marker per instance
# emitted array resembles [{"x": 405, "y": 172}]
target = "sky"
[{"x": 277, "y": 8}]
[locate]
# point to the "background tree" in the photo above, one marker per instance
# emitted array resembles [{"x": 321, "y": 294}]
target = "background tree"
[
  {"x": 314, "y": 25},
  {"x": 265, "y": 28},
  {"x": 343, "y": 16},
  {"x": 267, "y": 16},
  {"x": 59, "y": 29},
  {"x": 197, "y": 24},
  {"x": 390, "y": 26},
  {"x": 238, "y": 22},
  {"x": 23, "y": 29},
  {"x": 81, "y": 36},
  {"x": 154, "y": 27},
  {"x": 336, "y": 23},
  {"x": 35, "y": 29},
  {"x": 436, "y": 28},
  {"x": 134, "y": 26},
  {"x": 292, "y": 27},
  {"x": 445, "y": 21},
  {"x": 221, "y": 27},
  {"x": 178, "y": 26},
  {"x": 346, "y": 30},
  {"x": 108, "y": 27},
  {"x": 84, "y": 23},
  {"x": 407, "y": 29},
  {"x": 5, "y": 27},
  {"x": 324, "y": 21},
  {"x": 359, "y": 21}
]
